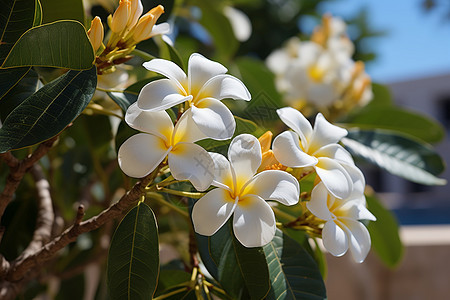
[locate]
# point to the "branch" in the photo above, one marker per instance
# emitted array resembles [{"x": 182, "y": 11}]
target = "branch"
[
  {"x": 18, "y": 169},
  {"x": 46, "y": 216},
  {"x": 21, "y": 266}
]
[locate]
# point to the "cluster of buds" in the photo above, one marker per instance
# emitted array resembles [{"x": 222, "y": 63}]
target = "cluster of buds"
[
  {"x": 320, "y": 74},
  {"x": 128, "y": 28}
]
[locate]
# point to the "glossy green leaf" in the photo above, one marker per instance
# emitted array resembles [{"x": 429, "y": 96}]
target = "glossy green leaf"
[
  {"x": 401, "y": 120},
  {"x": 48, "y": 111},
  {"x": 10, "y": 77},
  {"x": 16, "y": 17},
  {"x": 398, "y": 154},
  {"x": 384, "y": 233},
  {"x": 124, "y": 100},
  {"x": 293, "y": 272},
  {"x": 37, "y": 14},
  {"x": 21, "y": 91},
  {"x": 168, "y": 52},
  {"x": 133, "y": 258},
  {"x": 54, "y": 10},
  {"x": 381, "y": 95},
  {"x": 62, "y": 44},
  {"x": 219, "y": 28}
]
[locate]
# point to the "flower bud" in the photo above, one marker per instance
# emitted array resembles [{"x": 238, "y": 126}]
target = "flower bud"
[
  {"x": 120, "y": 18},
  {"x": 136, "y": 12},
  {"x": 95, "y": 33},
  {"x": 146, "y": 22}
]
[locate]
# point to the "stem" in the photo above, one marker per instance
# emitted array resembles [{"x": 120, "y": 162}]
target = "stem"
[
  {"x": 283, "y": 214},
  {"x": 142, "y": 54},
  {"x": 161, "y": 200},
  {"x": 171, "y": 293},
  {"x": 100, "y": 110},
  {"x": 181, "y": 193}
]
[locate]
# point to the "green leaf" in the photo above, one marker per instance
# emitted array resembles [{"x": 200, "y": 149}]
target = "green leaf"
[
  {"x": 54, "y": 10},
  {"x": 124, "y": 100},
  {"x": 293, "y": 272},
  {"x": 48, "y": 111},
  {"x": 401, "y": 120},
  {"x": 168, "y": 52},
  {"x": 219, "y": 28},
  {"x": 62, "y": 44},
  {"x": 133, "y": 259},
  {"x": 21, "y": 91},
  {"x": 381, "y": 95},
  {"x": 37, "y": 14},
  {"x": 10, "y": 77},
  {"x": 16, "y": 17},
  {"x": 384, "y": 233},
  {"x": 397, "y": 154}
]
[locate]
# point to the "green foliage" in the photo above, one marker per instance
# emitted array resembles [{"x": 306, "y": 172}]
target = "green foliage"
[
  {"x": 9, "y": 79},
  {"x": 384, "y": 233},
  {"x": 16, "y": 17},
  {"x": 133, "y": 259},
  {"x": 48, "y": 111},
  {"x": 54, "y": 10},
  {"x": 62, "y": 44},
  {"x": 293, "y": 272},
  {"x": 397, "y": 154}
]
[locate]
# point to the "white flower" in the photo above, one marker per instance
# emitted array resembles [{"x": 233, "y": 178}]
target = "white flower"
[
  {"x": 205, "y": 84},
  {"x": 342, "y": 229},
  {"x": 143, "y": 152},
  {"x": 240, "y": 23},
  {"x": 318, "y": 148},
  {"x": 242, "y": 193}
]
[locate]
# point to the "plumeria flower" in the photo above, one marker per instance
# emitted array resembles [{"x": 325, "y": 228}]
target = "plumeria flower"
[
  {"x": 342, "y": 229},
  {"x": 143, "y": 152},
  {"x": 242, "y": 193},
  {"x": 203, "y": 87},
  {"x": 317, "y": 148}
]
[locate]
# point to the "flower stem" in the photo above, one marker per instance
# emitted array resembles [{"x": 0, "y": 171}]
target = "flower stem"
[{"x": 161, "y": 200}]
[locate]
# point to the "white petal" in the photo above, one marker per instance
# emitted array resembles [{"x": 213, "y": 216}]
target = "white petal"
[
  {"x": 163, "y": 28},
  {"x": 359, "y": 239},
  {"x": 240, "y": 23},
  {"x": 334, "y": 239},
  {"x": 335, "y": 151},
  {"x": 325, "y": 133},
  {"x": 335, "y": 177},
  {"x": 160, "y": 95},
  {"x": 253, "y": 222},
  {"x": 212, "y": 211},
  {"x": 359, "y": 183},
  {"x": 245, "y": 157},
  {"x": 186, "y": 130},
  {"x": 192, "y": 162},
  {"x": 275, "y": 185},
  {"x": 318, "y": 205},
  {"x": 223, "y": 176},
  {"x": 154, "y": 122},
  {"x": 141, "y": 154},
  {"x": 201, "y": 69},
  {"x": 167, "y": 68},
  {"x": 214, "y": 119},
  {"x": 286, "y": 148},
  {"x": 278, "y": 61},
  {"x": 296, "y": 121},
  {"x": 225, "y": 86}
]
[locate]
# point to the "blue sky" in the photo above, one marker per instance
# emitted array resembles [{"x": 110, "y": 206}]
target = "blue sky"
[{"x": 417, "y": 43}]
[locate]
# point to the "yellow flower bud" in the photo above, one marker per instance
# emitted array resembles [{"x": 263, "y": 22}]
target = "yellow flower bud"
[
  {"x": 146, "y": 22},
  {"x": 136, "y": 12},
  {"x": 120, "y": 18},
  {"x": 95, "y": 33}
]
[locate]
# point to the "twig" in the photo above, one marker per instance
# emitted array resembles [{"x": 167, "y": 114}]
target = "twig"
[
  {"x": 20, "y": 267},
  {"x": 18, "y": 169},
  {"x": 46, "y": 216}
]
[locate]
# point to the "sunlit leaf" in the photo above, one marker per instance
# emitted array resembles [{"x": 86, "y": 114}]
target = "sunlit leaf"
[
  {"x": 133, "y": 258},
  {"x": 16, "y": 17},
  {"x": 62, "y": 44},
  {"x": 48, "y": 111},
  {"x": 54, "y": 10},
  {"x": 401, "y": 120},
  {"x": 399, "y": 155},
  {"x": 384, "y": 233},
  {"x": 293, "y": 272}
]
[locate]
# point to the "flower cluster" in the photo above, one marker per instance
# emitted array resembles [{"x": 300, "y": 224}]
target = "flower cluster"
[
  {"x": 338, "y": 195},
  {"x": 253, "y": 173},
  {"x": 128, "y": 28},
  {"x": 320, "y": 75}
]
